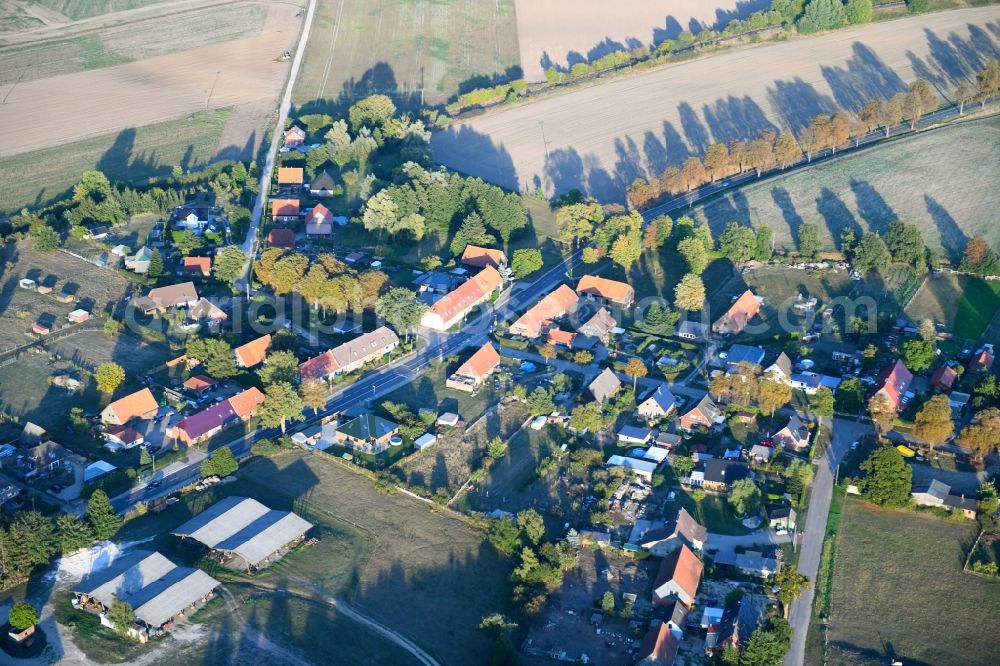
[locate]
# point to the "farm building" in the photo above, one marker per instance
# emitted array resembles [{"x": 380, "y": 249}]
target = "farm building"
[
  {"x": 678, "y": 577},
  {"x": 471, "y": 374},
  {"x": 554, "y": 306},
  {"x": 141, "y": 405},
  {"x": 159, "y": 591},
  {"x": 244, "y": 534}
]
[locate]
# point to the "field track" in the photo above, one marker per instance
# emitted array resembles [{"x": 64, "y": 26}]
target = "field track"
[{"x": 600, "y": 138}]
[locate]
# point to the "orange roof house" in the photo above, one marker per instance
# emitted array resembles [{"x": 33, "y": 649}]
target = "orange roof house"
[
  {"x": 319, "y": 221},
  {"x": 983, "y": 360},
  {"x": 245, "y": 404},
  {"x": 659, "y": 647},
  {"x": 944, "y": 377},
  {"x": 739, "y": 314},
  {"x": 481, "y": 257},
  {"x": 678, "y": 577},
  {"x": 290, "y": 176},
  {"x": 252, "y": 353},
  {"x": 198, "y": 266},
  {"x": 893, "y": 382},
  {"x": 556, "y": 304},
  {"x": 471, "y": 374},
  {"x": 295, "y": 136},
  {"x": 457, "y": 303},
  {"x": 564, "y": 338},
  {"x": 285, "y": 209},
  {"x": 612, "y": 291},
  {"x": 199, "y": 383},
  {"x": 140, "y": 404}
]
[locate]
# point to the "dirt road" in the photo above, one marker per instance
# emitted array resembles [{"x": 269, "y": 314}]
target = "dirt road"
[{"x": 600, "y": 138}]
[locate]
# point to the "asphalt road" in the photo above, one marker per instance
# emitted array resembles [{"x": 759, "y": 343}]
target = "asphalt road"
[
  {"x": 844, "y": 432},
  {"x": 374, "y": 384}
]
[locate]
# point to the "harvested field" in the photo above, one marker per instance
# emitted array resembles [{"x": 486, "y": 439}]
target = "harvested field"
[
  {"x": 600, "y": 138},
  {"x": 420, "y": 556},
  {"x": 94, "y": 287},
  {"x": 447, "y": 465},
  {"x": 152, "y": 90},
  {"x": 360, "y": 47},
  {"x": 134, "y": 154},
  {"x": 895, "y": 574},
  {"x": 80, "y": 9},
  {"x": 964, "y": 305},
  {"x": 940, "y": 181},
  {"x": 565, "y": 32}
]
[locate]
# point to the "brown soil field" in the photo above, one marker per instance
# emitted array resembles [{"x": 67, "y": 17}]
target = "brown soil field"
[
  {"x": 601, "y": 137},
  {"x": 106, "y": 100},
  {"x": 565, "y": 32}
]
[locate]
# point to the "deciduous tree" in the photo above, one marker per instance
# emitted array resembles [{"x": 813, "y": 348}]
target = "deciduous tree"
[
  {"x": 771, "y": 395},
  {"x": 882, "y": 413},
  {"x": 222, "y": 463},
  {"x": 744, "y": 495},
  {"x": 281, "y": 405},
  {"x": 694, "y": 254},
  {"x": 933, "y": 422},
  {"x": 526, "y": 261},
  {"x": 689, "y": 294},
  {"x": 635, "y": 368},
  {"x": 22, "y": 615},
  {"x": 887, "y": 478},
  {"x": 108, "y": 377},
  {"x": 401, "y": 308},
  {"x": 280, "y": 366},
  {"x": 871, "y": 254},
  {"x": 314, "y": 394},
  {"x": 737, "y": 242},
  {"x": 809, "y": 242}
]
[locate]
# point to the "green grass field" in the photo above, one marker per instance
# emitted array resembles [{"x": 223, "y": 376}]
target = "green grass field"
[
  {"x": 938, "y": 181},
  {"x": 359, "y": 48},
  {"x": 897, "y": 576},
  {"x": 964, "y": 304},
  {"x": 134, "y": 154}
]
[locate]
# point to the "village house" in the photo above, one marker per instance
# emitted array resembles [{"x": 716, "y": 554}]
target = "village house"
[
  {"x": 781, "y": 518},
  {"x": 753, "y": 563},
  {"x": 281, "y": 237},
  {"x": 602, "y": 290},
  {"x": 704, "y": 414},
  {"x": 323, "y": 185},
  {"x": 285, "y": 210},
  {"x": 290, "y": 179},
  {"x": 159, "y": 592},
  {"x": 720, "y": 475},
  {"x": 664, "y": 539},
  {"x": 454, "y": 306},
  {"x": 629, "y": 434},
  {"x": 643, "y": 469},
  {"x": 367, "y": 433},
  {"x": 471, "y": 374},
  {"x": 982, "y": 360},
  {"x": 739, "y": 314},
  {"x": 139, "y": 262},
  {"x": 294, "y": 136},
  {"x": 138, "y": 405},
  {"x": 939, "y": 493},
  {"x": 199, "y": 383},
  {"x": 944, "y": 378},
  {"x": 319, "y": 222},
  {"x": 553, "y": 307},
  {"x": 162, "y": 299},
  {"x": 742, "y": 354},
  {"x": 659, "y": 647},
  {"x": 198, "y": 266},
  {"x": 46, "y": 457},
  {"x": 122, "y": 437},
  {"x": 692, "y": 330},
  {"x": 243, "y": 534},
  {"x": 252, "y": 353},
  {"x": 893, "y": 382},
  {"x": 781, "y": 369},
  {"x": 350, "y": 356},
  {"x": 810, "y": 382},
  {"x": 795, "y": 435},
  {"x": 605, "y": 386},
  {"x": 192, "y": 218},
  {"x": 213, "y": 420},
  {"x": 739, "y": 619},
  {"x": 205, "y": 312},
  {"x": 481, "y": 257},
  {"x": 558, "y": 338},
  {"x": 678, "y": 577},
  {"x": 599, "y": 326}
]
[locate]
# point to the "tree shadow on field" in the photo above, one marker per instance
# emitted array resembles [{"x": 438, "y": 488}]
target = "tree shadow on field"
[
  {"x": 872, "y": 208},
  {"x": 660, "y": 154},
  {"x": 837, "y": 215},
  {"x": 379, "y": 79},
  {"x": 697, "y": 136},
  {"x": 863, "y": 77},
  {"x": 628, "y": 166},
  {"x": 953, "y": 238},
  {"x": 731, "y": 208},
  {"x": 735, "y": 118},
  {"x": 474, "y": 153},
  {"x": 798, "y": 102},
  {"x": 783, "y": 201}
]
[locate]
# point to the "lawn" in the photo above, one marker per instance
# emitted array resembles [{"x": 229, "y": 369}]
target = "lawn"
[
  {"x": 964, "y": 305},
  {"x": 897, "y": 573},
  {"x": 934, "y": 180},
  {"x": 133, "y": 155},
  {"x": 402, "y": 48}
]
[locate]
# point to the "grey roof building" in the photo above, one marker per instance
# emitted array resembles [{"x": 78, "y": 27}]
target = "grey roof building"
[
  {"x": 744, "y": 354},
  {"x": 599, "y": 326},
  {"x": 157, "y": 589},
  {"x": 245, "y": 531},
  {"x": 692, "y": 330},
  {"x": 605, "y": 385}
]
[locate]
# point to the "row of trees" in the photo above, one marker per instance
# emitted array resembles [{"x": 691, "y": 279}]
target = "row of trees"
[
  {"x": 32, "y": 539},
  {"x": 326, "y": 283},
  {"x": 824, "y": 132}
]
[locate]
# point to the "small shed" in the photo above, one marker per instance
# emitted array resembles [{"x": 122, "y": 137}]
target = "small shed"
[
  {"x": 40, "y": 328},
  {"x": 449, "y": 419},
  {"x": 66, "y": 297},
  {"x": 96, "y": 470},
  {"x": 25, "y": 283},
  {"x": 78, "y": 316},
  {"x": 424, "y": 441}
]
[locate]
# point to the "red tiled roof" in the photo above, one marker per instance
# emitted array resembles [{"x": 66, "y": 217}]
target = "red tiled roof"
[
  {"x": 480, "y": 364},
  {"x": 200, "y": 265},
  {"x": 481, "y": 257},
  {"x": 982, "y": 360},
  {"x": 284, "y": 207},
  {"x": 199, "y": 382},
  {"x": 557, "y": 337},
  {"x": 123, "y": 434},
  {"x": 281, "y": 238},
  {"x": 894, "y": 381},
  {"x": 742, "y": 311},
  {"x": 318, "y": 367},
  {"x": 684, "y": 568},
  {"x": 468, "y": 294},
  {"x": 554, "y": 305},
  {"x": 246, "y": 403},
  {"x": 134, "y": 404},
  {"x": 253, "y": 352},
  {"x": 944, "y": 376},
  {"x": 612, "y": 290},
  {"x": 289, "y": 175},
  {"x": 659, "y": 647}
]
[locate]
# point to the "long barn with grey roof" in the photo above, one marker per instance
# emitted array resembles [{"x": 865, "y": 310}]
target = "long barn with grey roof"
[
  {"x": 245, "y": 533},
  {"x": 158, "y": 590}
]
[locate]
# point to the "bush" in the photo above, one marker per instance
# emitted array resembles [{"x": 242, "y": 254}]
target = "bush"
[{"x": 22, "y": 616}]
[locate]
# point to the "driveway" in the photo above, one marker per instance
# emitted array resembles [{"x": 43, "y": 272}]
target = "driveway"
[
  {"x": 756, "y": 538},
  {"x": 844, "y": 432}
]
